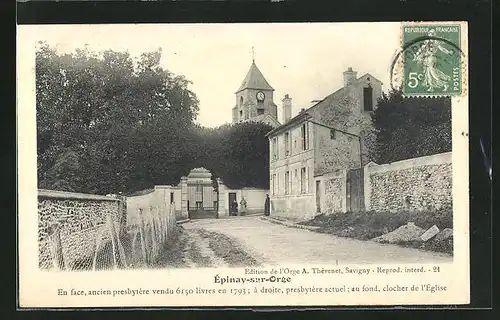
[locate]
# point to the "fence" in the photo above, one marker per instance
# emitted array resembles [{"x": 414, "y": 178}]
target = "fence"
[
  {"x": 151, "y": 221},
  {"x": 80, "y": 232}
]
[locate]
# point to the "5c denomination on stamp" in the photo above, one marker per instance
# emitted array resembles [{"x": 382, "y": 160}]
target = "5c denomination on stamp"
[{"x": 432, "y": 59}]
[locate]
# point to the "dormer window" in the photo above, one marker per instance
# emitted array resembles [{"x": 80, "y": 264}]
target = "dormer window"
[{"x": 368, "y": 98}]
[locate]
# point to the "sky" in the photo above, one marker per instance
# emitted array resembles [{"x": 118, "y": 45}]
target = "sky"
[{"x": 304, "y": 60}]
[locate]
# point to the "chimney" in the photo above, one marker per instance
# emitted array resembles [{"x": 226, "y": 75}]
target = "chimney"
[
  {"x": 349, "y": 76},
  {"x": 287, "y": 108}
]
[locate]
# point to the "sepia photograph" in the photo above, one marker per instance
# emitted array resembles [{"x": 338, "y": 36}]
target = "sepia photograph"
[{"x": 252, "y": 147}]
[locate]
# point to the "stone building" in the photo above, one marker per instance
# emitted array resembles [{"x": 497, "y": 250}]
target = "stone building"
[
  {"x": 305, "y": 148},
  {"x": 254, "y": 99}
]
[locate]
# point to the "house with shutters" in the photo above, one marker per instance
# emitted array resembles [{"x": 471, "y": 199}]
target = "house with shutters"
[{"x": 305, "y": 150}]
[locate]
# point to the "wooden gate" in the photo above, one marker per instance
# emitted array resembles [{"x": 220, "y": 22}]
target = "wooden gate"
[
  {"x": 355, "y": 190},
  {"x": 203, "y": 201}
]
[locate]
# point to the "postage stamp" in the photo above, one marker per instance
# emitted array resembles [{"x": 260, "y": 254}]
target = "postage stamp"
[
  {"x": 432, "y": 59},
  {"x": 148, "y": 178}
]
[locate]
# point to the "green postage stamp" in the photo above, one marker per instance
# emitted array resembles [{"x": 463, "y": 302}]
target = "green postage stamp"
[{"x": 432, "y": 59}]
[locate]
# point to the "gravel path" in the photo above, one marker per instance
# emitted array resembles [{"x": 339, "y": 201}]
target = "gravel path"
[{"x": 274, "y": 244}]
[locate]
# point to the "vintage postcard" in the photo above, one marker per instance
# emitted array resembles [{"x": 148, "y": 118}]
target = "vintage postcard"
[{"x": 298, "y": 164}]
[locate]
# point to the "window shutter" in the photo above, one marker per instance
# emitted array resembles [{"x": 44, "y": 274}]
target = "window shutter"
[
  {"x": 307, "y": 135},
  {"x": 278, "y": 183},
  {"x": 307, "y": 180}
]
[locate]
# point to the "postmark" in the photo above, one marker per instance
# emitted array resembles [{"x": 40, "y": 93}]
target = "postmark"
[{"x": 431, "y": 61}]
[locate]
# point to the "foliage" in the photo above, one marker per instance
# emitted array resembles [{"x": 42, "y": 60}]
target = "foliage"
[
  {"x": 119, "y": 117},
  {"x": 243, "y": 156},
  {"x": 411, "y": 127},
  {"x": 64, "y": 174},
  {"x": 108, "y": 123}
]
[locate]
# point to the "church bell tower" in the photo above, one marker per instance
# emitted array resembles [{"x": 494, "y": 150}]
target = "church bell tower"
[{"x": 254, "y": 98}]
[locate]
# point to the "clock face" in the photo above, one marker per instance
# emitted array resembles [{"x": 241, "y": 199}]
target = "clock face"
[{"x": 260, "y": 96}]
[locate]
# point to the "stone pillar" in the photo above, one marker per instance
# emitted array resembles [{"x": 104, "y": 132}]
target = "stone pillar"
[
  {"x": 184, "y": 199},
  {"x": 223, "y": 213},
  {"x": 344, "y": 190},
  {"x": 367, "y": 187}
]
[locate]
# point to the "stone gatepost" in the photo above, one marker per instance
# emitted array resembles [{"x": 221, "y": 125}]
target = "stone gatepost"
[
  {"x": 184, "y": 199},
  {"x": 223, "y": 213}
]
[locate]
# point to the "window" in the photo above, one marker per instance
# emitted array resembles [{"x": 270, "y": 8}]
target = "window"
[
  {"x": 241, "y": 114},
  {"x": 287, "y": 144},
  {"x": 199, "y": 205},
  {"x": 241, "y": 101},
  {"x": 287, "y": 182},
  {"x": 368, "y": 99},
  {"x": 171, "y": 197},
  {"x": 199, "y": 188},
  {"x": 260, "y": 111},
  {"x": 305, "y": 136},
  {"x": 303, "y": 180}
]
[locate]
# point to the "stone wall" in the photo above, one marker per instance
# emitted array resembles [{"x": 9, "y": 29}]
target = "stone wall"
[
  {"x": 417, "y": 184},
  {"x": 90, "y": 232},
  {"x": 334, "y": 192},
  {"x": 77, "y": 220}
]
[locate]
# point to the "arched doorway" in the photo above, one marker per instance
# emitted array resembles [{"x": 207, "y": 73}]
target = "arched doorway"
[{"x": 202, "y": 195}]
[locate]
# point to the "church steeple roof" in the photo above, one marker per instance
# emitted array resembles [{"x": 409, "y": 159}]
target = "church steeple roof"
[{"x": 255, "y": 80}]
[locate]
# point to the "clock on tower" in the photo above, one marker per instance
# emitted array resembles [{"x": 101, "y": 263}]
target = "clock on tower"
[{"x": 260, "y": 96}]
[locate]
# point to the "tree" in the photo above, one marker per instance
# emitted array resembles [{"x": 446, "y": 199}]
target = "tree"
[
  {"x": 411, "y": 127},
  {"x": 116, "y": 114},
  {"x": 64, "y": 174},
  {"x": 238, "y": 154},
  {"x": 108, "y": 123}
]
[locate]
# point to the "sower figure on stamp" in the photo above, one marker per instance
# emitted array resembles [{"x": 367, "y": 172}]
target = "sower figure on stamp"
[
  {"x": 243, "y": 206},
  {"x": 267, "y": 206},
  {"x": 426, "y": 55}
]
